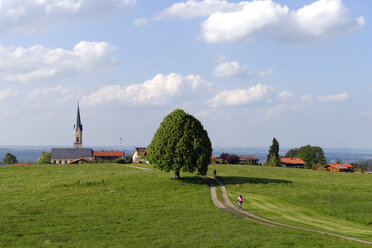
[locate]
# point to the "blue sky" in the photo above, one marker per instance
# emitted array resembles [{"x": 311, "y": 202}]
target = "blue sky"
[{"x": 299, "y": 71}]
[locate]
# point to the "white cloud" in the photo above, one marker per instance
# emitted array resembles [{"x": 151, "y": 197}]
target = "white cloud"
[
  {"x": 285, "y": 95},
  {"x": 42, "y": 117},
  {"x": 366, "y": 114},
  {"x": 334, "y": 98},
  {"x": 161, "y": 90},
  {"x": 58, "y": 93},
  {"x": 307, "y": 98},
  {"x": 233, "y": 68},
  {"x": 241, "y": 96},
  {"x": 281, "y": 109},
  {"x": 5, "y": 94},
  {"x": 266, "y": 72},
  {"x": 39, "y": 15},
  {"x": 192, "y": 8},
  {"x": 222, "y": 58},
  {"x": 243, "y": 24},
  {"x": 323, "y": 18},
  {"x": 140, "y": 22},
  {"x": 39, "y": 63},
  {"x": 246, "y": 21}
]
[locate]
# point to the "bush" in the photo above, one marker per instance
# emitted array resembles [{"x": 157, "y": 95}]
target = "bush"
[
  {"x": 232, "y": 159},
  {"x": 273, "y": 161},
  {"x": 44, "y": 158},
  {"x": 223, "y": 156},
  {"x": 128, "y": 160},
  {"x": 120, "y": 161},
  {"x": 359, "y": 170},
  {"x": 318, "y": 167},
  {"x": 10, "y": 158}
]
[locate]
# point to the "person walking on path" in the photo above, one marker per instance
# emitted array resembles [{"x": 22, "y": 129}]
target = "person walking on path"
[
  {"x": 214, "y": 173},
  {"x": 240, "y": 202}
]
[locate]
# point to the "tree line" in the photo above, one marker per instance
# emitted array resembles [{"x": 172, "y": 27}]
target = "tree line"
[{"x": 313, "y": 156}]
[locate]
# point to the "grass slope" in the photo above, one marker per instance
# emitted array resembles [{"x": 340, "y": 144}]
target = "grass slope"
[
  {"x": 335, "y": 202},
  {"x": 43, "y": 206}
]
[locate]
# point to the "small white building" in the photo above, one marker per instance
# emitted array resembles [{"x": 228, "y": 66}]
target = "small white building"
[{"x": 138, "y": 155}]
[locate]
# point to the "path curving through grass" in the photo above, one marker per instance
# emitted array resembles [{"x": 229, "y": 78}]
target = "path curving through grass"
[{"x": 228, "y": 206}]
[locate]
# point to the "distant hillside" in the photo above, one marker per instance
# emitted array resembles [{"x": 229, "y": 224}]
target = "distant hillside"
[{"x": 23, "y": 155}]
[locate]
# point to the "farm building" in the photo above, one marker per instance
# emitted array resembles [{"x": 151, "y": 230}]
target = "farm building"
[
  {"x": 292, "y": 162},
  {"x": 80, "y": 160},
  {"x": 66, "y": 155},
  {"x": 342, "y": 167},
  {"x": 137, "y": 153},
  {"x": 248, "y": 160},
  {"x": 213, "y": 160},
  {"x": 108, "y": 155}
]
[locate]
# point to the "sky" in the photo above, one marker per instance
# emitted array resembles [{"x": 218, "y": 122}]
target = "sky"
[{"x": 300, "y": 71}]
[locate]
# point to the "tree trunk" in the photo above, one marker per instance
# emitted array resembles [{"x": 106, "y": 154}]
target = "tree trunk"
[{"x": 177, "y": 175}]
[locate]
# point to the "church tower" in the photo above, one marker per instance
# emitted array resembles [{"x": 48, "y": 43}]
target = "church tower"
[{"x": 78, "y": 131}]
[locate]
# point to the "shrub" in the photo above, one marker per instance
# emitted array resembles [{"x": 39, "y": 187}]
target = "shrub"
[
  {"x": 274, "y": 161},
  {"x": 120, "y": 161},
  {"x": 232, "y": 159}
]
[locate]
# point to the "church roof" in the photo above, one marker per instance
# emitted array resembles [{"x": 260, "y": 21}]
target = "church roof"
[{"x": 71, "y": 153}]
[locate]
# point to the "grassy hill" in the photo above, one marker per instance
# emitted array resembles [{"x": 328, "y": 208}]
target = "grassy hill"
[
  {"x": 329, "y": 201},
  {"x": 43, "y": 206}
]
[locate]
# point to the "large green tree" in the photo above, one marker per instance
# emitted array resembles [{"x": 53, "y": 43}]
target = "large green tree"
[
  {"x": 273, "y": 156},
  {"x": 312, "y": 155},
  {"x": 44, "y": 158},
  {"x": 10, "y": 158},
  {"x": 180, "y": 144}
]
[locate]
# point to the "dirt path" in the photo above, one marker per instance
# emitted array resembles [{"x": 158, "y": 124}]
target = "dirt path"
[
  {"x": 137, "y": 167},
  {"x": 229, "y": 207}
]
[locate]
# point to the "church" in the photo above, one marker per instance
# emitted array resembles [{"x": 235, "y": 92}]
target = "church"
[{"x": 78, "y": 153}]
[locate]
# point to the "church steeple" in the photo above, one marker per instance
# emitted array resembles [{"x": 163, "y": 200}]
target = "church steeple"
[
  {"x": 78, "y": 121},
  {"x": 78, "y": 131}
]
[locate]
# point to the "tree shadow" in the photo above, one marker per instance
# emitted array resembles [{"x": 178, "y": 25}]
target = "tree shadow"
[
  {"x": 229, "y": 180},
  {"x": 249, "y": 180},
  {"x": 192, "y": 180}
]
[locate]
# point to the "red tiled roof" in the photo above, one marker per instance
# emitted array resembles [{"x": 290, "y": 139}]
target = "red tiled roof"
[
  {"x": 292, "y": 161},
  {"x": 108, "y": 154},
  {"x": 79, "y": 159},
  {"x": 340, "y": 166},
  {"x": 253, "y": 158}
]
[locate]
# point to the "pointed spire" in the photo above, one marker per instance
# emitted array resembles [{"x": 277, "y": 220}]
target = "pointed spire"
[{"x": 78, "y": 121}]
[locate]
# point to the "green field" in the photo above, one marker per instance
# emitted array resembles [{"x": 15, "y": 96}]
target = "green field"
[
  {"x": 330, "y": 201},
  {"x": 43, "y": 206}
]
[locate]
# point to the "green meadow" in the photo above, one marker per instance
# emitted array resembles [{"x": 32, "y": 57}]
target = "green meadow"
[
  {"x": 44, "y": 206},
  {"x": 329, "y": 201}
]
